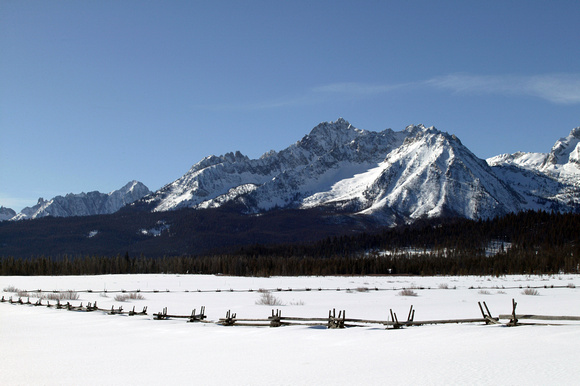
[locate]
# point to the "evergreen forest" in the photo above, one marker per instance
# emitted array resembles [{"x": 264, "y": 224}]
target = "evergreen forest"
[{"x": 519, "y": 243}]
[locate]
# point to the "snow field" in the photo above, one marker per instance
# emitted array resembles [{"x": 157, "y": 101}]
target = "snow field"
[{"x": 43, "y": 345}]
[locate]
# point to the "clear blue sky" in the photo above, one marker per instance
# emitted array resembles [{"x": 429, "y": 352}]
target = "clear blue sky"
[{"x": 94, "y": 94}]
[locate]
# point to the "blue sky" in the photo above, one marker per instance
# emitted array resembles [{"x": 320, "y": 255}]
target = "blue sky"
[{"x": 94, "y": 94}]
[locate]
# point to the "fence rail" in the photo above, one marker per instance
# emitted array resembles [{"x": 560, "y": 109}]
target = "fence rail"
[
  {"x": 305, "y": 289},
  {"x": 70, "y": 307},
  {"x": 543, "y": 317},
  {"x": 276, "y": 319}
]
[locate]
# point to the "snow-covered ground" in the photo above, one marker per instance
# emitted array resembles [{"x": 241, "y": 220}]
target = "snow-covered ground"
[{"x": 46, "y": 346}]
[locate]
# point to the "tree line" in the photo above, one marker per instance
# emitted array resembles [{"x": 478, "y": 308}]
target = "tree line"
[{"x": 525, "y": 243}]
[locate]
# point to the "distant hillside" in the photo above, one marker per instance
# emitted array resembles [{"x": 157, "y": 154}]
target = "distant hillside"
[{"x": 82, "y": 204}]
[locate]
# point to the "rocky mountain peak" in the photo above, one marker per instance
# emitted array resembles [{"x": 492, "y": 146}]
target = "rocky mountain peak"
[
  {"x": 328, "y": 135},
  {"x": 434, "y": 137},
  {"x": 418, "y": 129},
  {"x": 326, "y": 127},
  {"x": 235, "y": 157},
  {"x": 565, "y": 149},
  {"x": 6, "y": 213}
]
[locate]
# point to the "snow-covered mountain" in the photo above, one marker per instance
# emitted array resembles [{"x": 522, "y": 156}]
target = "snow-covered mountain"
[
  {"x": 430, "y": 175},
  {"x": 85, "y": 204},
  {"x": 419, "y": 172},
  {"x": 6, "y": 213},
  {"x": 549, "y": 181},
  {"x": 331, "y": 152}
]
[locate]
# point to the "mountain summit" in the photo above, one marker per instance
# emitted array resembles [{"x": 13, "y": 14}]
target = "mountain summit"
[
  {"x": 393, "y": 177},
  {"x": 6, "y": 213}
]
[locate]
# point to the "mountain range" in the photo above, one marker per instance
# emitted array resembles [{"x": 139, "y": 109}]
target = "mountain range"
[
  {"x": 390, "y": 177},
  {"x": 393, "y": 177},
  {"x": 82, "y": 204},
  {"x": 337, "y": 180}
]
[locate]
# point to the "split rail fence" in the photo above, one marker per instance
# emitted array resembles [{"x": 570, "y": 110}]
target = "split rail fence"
[
  {"x": 305, "y": 289},
  {"x": 70, "y": 307},
  {"x": 276, "y": 319}
]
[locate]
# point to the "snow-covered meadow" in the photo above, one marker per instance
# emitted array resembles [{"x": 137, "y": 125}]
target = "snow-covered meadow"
[{"x": 47, "y": 346}]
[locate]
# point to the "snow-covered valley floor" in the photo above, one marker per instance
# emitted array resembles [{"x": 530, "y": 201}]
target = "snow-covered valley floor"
[{"x": 47, "y": 346}]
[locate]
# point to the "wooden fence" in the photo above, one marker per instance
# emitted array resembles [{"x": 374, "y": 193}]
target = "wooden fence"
[
  {"x": 341, "y": 321},
  {"x": 514, "y": 318},
  {"x": 70, "y": 307},
  {"x": 276, "y": 319},
  {"x": 305, "y": 289}
]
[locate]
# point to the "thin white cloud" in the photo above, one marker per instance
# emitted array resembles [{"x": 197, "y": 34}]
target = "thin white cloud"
[
  {"x": 263, "y": 105},
  {"x": 556, "y": 88},
  {"x": 359, "y": 89},
  {"x": 315, "y": 95}
]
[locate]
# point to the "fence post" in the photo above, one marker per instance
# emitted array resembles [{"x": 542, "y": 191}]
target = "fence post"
[
  {"x": 333, "y": 321},
  {"x": 229, "y": 320},
  {"x": 514, "y": 319},
  {"x": 275, "y": 319},
  {"x": 411, "y": 315},
  {"x": 396, "y": 323}
]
